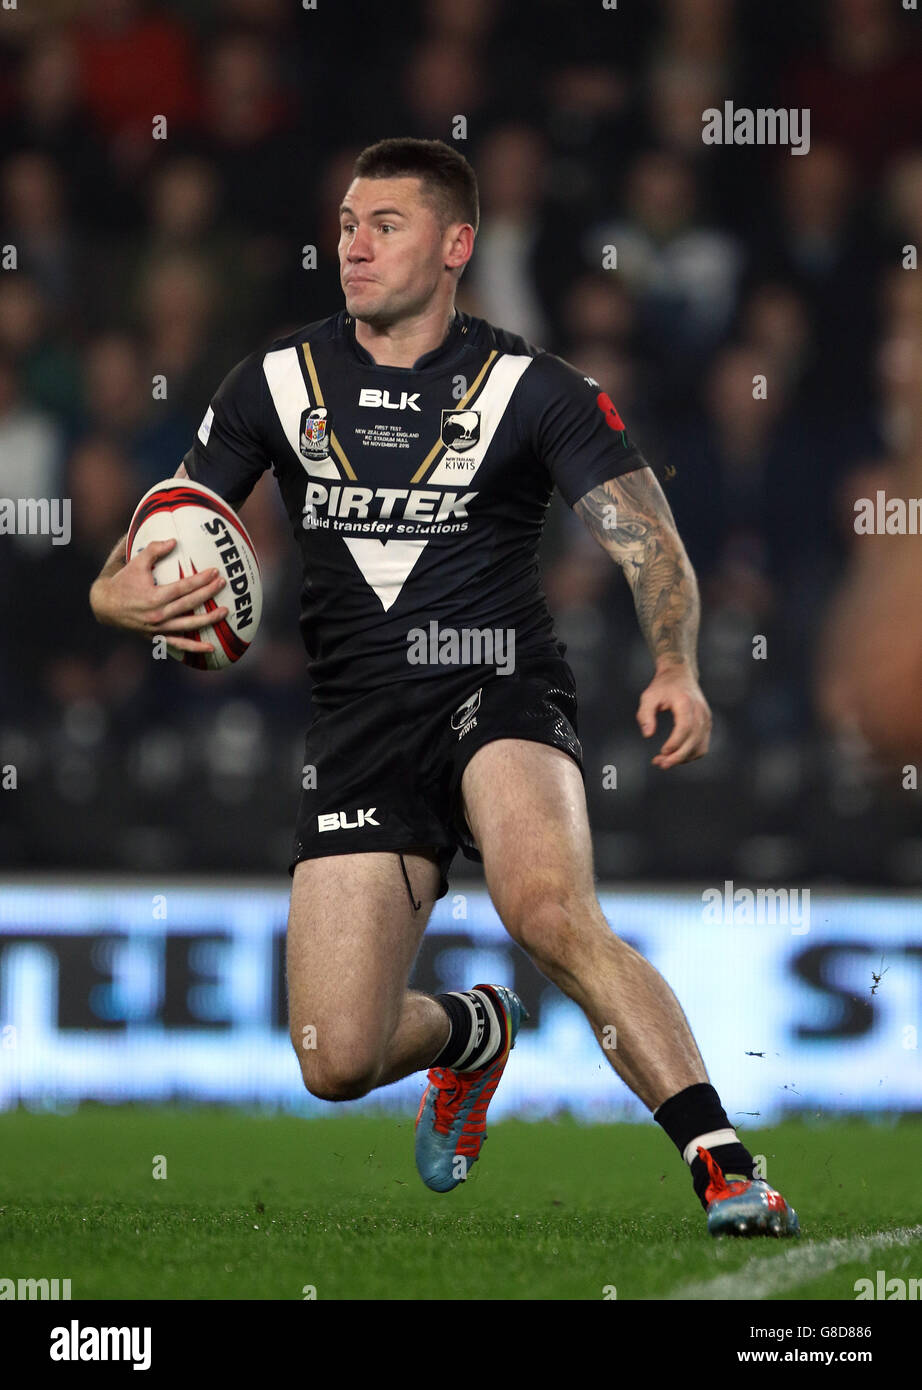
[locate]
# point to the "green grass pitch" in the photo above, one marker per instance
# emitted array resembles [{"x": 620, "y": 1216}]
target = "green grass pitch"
[{"x": 264, "y": 1207}]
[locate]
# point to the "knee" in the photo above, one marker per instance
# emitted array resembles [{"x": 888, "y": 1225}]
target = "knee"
[
  {"x": 555, "y": 926},
  {"x": 337, "y": 1077}
]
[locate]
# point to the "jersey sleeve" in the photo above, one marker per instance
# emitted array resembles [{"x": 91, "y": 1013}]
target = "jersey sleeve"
[
  {"x": 230, "y": 450},
  {"x": 576, "y": 430}
]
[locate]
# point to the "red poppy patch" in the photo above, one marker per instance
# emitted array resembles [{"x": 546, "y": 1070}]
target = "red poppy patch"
[{"x": 606, "y": 405}]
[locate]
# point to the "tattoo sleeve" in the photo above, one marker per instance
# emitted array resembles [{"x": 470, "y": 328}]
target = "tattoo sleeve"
[{"x": 631, "y": 519}]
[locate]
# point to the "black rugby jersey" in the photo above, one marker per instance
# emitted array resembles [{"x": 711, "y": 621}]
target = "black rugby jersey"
[{"x": 417, "y": 495}]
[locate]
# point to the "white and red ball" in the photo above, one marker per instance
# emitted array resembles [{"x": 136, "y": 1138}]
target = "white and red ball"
[{"x": 209, "y": 535}]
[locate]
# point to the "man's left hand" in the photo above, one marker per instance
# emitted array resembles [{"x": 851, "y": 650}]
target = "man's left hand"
[{"x": 675, "y": 688}]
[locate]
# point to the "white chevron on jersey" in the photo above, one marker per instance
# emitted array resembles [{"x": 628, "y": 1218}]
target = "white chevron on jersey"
[
  {"x": 289, "y": 395},
  {"x": 385, "y": 565},
  {"x": 491, "y": 403}
]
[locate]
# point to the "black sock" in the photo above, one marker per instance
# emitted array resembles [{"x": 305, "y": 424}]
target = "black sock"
[
  {"x": 477, "y": 1030},
  {"x": 693, "y": 1114},
  {"x": 734, "y": 1160}
]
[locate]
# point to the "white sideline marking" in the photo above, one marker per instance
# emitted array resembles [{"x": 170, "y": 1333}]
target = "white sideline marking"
[{"x": 761, "y": 1278}]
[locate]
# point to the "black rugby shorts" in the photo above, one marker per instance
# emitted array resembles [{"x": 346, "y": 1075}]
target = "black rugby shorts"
[{"x": 389, "y": 763}]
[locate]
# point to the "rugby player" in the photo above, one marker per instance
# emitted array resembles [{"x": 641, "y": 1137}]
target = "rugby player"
[{"x": 416, "y": 449}]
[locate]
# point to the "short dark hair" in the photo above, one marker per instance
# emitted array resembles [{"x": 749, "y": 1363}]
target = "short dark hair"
[{"x": 446, "y": 177}]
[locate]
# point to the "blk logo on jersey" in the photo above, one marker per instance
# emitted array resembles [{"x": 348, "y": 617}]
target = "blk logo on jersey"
[
  {"x": 460, "y": 429},
  {"x": 382, "y": 399},
  {"x": 315, "y": 433}
]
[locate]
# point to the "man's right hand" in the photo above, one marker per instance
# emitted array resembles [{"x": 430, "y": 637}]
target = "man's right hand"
[{"x": 126, "y": 596}]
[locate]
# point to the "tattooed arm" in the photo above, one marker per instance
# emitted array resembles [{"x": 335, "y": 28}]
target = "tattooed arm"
[{"x": 631, "y": 519}]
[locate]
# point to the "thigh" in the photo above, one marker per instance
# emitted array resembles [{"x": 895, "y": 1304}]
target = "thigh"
[
  {"x": 352, "y": 939},
  {"x": 526, "y": 807}
]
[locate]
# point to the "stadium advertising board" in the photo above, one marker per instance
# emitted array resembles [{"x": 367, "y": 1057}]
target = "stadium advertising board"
[{"x": 125, "y": 992}]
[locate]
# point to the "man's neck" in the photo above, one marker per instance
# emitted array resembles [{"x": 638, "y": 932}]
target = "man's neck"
[{"x": 402, "y": 343}]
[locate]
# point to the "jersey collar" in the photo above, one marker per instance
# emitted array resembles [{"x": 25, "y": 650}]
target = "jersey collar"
[{"x": 446, "y": 349}]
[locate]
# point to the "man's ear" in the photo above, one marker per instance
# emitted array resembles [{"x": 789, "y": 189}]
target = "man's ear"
[{"x": 462, "y": 247}]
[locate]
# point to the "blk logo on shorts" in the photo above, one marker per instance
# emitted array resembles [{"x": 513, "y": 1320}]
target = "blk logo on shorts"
[{"x": 339, "y": 820}]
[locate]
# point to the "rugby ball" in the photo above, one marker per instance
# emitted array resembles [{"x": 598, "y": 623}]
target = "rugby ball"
[{"x": 209, "y": 535}]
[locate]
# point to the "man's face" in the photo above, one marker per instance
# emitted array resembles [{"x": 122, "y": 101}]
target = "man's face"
[{"x": 391, "y": 249}]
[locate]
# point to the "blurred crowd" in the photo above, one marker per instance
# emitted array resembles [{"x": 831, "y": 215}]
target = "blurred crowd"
[{"x": 170, "y": 251}]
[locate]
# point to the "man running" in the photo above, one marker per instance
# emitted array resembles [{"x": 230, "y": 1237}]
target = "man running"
[{"x": 416, "y": 449}]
